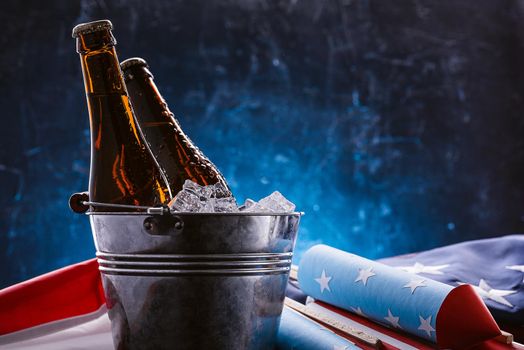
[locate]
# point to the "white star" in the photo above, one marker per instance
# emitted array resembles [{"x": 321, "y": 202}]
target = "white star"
[
  {"x": 516, "y": 268},
  {"x": 323, "y": 280},
  {"x": 420, "y": 268},
  {"x": 425, "y": 325},
  {"x": 497, "y": 295},
  {"x": 358, "y": 311},
  {"x": 393, "y": 319},
  {"x": 339, "y": 347},
  {"x": 414, "y": 284},
  {"x": 364, "y": 274}
]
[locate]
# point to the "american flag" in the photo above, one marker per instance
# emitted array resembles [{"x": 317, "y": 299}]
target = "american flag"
[
  {"x": 494, "y": 267},
  {"x": 65, "y": 308}
]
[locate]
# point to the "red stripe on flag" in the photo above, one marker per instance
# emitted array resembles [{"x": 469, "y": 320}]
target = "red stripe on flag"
[{"x": 71, "y": 291}]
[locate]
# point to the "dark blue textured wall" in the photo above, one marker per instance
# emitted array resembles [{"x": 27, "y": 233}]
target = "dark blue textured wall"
[{"x": 396, "y": 126}]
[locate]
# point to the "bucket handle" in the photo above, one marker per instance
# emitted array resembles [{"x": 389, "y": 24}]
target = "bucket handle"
[{"x": 80, "y": 203}]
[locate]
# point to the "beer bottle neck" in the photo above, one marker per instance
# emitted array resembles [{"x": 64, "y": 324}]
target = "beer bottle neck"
[
  {"x": 100, "y": 64},
  {"x": 150, "y": 106}
]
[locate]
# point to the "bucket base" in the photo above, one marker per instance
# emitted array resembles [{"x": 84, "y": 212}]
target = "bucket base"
[{"x": 194, "y": 312}]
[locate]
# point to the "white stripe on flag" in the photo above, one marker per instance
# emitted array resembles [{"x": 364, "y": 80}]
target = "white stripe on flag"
[{"x": 87, "y": 331}]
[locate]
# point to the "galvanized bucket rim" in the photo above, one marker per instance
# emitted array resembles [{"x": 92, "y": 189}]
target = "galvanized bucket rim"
[{"x": 185, "y": 213}]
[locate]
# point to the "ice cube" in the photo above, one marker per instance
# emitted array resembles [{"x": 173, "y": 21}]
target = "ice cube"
[
  {"x": 247, "y": 204},
  {"x": 206, "y": 206},
  {"x": 203, "y": 199},
  {"x": 185, "y": 201},
  {"x": 276, "y": 203},
  {"x": 225, "y": 205},
  {"x": 221, "y": 191},
  {"x": 202, "y": 192},
  {"x": 215, "y": 199}
]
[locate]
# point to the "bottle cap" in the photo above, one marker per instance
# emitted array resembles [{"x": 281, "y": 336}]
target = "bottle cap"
[
  {"x": 132, "y": 62},
  {"x": 91, "y": 27},
  {"x": 135, "y": 67}
]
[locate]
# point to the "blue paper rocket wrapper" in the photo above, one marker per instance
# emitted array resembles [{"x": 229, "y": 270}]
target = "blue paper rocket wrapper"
[
  {"x": 452, "y": 317},
  {"x": 299, "y": 332}
]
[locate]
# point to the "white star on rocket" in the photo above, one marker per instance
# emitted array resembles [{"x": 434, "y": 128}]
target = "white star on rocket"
[
  {"x": 323, "y": 280},
  {"x": 364, "y": 274},
  {"x": 427, "y": 269},
  {"x": 516, "y": 268},
  {"x": 497, "y": 295},
  {"x": 425, "y": 325},
  {"x": 393, "y": 319},
  {"x": 414, "y": 284},
  {"x": 358, "y": 311}
]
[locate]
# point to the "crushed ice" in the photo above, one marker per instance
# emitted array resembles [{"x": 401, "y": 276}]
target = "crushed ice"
[{"x": 210, "y": 199}]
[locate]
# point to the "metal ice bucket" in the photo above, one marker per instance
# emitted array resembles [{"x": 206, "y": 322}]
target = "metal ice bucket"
[{"x": 194, "y": 281}]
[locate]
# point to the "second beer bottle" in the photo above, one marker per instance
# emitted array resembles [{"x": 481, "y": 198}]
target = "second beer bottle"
[{"x": 174, "y": 151}]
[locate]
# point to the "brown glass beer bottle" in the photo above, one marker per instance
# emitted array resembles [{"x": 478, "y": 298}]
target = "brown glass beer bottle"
[
  {"x": 123, "y": 170},
  {"x": 174, "y": 151}
]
